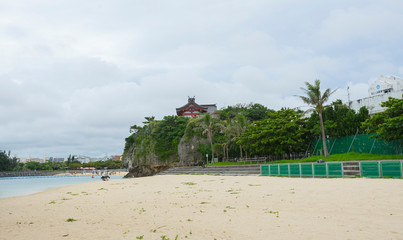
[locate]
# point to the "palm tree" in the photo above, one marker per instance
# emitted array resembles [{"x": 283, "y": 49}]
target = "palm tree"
[
  {"x": 315, "y": 99},
  {"x": 240, "y": 125},
  {"x": 207, "y": 126}
]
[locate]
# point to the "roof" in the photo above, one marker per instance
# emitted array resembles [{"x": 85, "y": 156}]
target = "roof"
[{"x": 191, "y": 101}]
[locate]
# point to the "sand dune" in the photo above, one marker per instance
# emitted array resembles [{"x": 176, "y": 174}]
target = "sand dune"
[{"x": 209, "y": 207}]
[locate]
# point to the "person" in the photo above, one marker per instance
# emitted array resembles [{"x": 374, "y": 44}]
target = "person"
[{"x": 105, "y": 178}]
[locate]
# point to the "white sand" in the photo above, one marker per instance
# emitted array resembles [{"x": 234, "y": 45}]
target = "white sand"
[{"x": 210, "y": 207}]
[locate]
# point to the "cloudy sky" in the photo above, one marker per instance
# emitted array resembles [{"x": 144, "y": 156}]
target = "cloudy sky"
[{"x": 75, "y": 75}]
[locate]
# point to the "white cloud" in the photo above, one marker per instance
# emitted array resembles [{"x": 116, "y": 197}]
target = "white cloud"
[{"x": 75, "y": 75}]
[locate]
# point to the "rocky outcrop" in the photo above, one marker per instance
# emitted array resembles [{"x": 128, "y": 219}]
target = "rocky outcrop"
[
  {"x": 149, "y": 164},
  {"x": 146, "y": 170},
  {"x": 188, "y": 151}
]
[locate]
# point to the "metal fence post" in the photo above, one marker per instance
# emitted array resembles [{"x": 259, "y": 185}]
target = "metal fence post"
[{"x": 352, "y": 141}]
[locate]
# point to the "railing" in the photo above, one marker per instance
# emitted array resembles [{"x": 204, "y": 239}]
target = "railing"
[{"x": 376, "y": 169}]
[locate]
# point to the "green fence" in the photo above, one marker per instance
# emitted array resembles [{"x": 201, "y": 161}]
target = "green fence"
[
  {"x": 283, "y": 169},
  {"x": 264, "y": 170},
  {"x": 358, "y": 143},
  {"x": 306, "y": 170},
  {"x": 391, "y": 169},
  {"x": 273, "y": 169},
  {"x": 370, "y": 169},
  {"x": 373, "y": 169},
  {"x": 335, "y": 169},
  {"x": 295, "y": 170}
]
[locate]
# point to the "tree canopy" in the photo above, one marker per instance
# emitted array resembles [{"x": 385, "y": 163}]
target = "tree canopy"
[{"x": 388, "y": 124}]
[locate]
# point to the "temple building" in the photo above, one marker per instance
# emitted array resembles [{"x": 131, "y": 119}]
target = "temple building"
[
  {"x": 379, "y": 91},
  {"x": 192, "y": 109}
]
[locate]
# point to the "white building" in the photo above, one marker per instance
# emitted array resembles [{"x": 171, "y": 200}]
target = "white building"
[{"x": 379, "y": 91}]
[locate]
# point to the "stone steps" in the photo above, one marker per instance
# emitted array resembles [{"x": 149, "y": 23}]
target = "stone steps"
[{"x": 351, "y": 169}]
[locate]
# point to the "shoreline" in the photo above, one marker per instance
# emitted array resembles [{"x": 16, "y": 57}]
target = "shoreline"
[
  {"x": 208, "y": 207},
  {"x": 54, "y": 173}
]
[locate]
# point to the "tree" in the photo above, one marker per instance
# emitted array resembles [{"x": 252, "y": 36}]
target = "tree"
[
  {"x": 167, "y": 135},
  {"x": 207, "y": 125},
  {"x": 338, "y": 119},
  {"x": 256, "y": 112},
  {"x": 282, "y": 132},
  {"x": 315, "y": 99},
  {"x": 240, "y": 125},
  {"x": 388, "y": 124},
  {"x": 7, "y": 163}
]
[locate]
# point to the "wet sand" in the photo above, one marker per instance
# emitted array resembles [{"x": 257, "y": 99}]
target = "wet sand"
[{"x": 209, "y": 207}]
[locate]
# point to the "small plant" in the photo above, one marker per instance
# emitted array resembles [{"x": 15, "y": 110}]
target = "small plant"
[
  {"x": 140, "y": 237},
  {"x": 189, "y": 220},
  {"x": 103, "y": 189},
  {"x": 204, "y": 203},
  {"x": 71, "y": 220},
  {"x": 254, "y": 185},
  {"x": 189, "y": 183},
  {"x": 142, "y": 210},
  {"x": 52, "y": 202},
  {"x": 163, "y": 237},
  {"x": 65, "y": 199},
  {"x": 273, "y": 212}
]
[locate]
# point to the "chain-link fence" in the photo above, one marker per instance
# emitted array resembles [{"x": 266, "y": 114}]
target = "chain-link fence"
[{"x": 358, "y": 143}]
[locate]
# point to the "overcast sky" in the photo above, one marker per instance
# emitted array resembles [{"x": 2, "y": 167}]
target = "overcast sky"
[{"x": 75, "y": 75}]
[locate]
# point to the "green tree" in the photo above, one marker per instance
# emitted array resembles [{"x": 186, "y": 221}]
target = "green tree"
[
  {"x": 207, "y": 126},
  {"x": 240, "y": 125},
  {"x": 8, "y": 163},
  {"x": 167, "y": 135},
  {"x": 282, "y": 132},
  {"x": 316, "y": 99},
  {"x": 339, "y": 120},
  {"x": 256, "y": 112},
  {"x": 33, "y": 166},
  {"x": 388, "y": 124}
]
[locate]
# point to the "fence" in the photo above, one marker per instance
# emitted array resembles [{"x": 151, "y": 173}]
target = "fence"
[
  {"x": 390, "y": 168},
  {"x": 358, "y": 143}
]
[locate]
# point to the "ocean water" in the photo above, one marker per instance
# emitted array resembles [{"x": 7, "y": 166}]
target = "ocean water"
[{"x": 18, "y": 186}]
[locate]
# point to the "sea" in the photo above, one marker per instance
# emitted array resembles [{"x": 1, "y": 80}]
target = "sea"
[{"x": 19, "y": 186}]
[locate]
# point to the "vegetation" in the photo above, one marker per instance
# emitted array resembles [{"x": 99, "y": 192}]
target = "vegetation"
[
  {"x": 8, "y": 163},
  {"x": 352, "y": 156},
  {"x": 388, "y": 124},
  {"x": 243, "y": 131},
  {"x": 316, "y": 99},
  {"x": 282, "y": 132}
]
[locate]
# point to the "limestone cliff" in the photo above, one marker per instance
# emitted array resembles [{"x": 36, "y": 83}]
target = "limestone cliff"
[{"x": 187, "y": 154}]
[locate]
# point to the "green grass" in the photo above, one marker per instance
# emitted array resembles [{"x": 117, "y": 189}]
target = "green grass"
[
  {"x": 352, "y": 156},
  {"x": 70, "y": 220}
]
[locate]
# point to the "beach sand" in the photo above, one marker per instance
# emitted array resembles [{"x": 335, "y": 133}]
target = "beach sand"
[{"x": 209, "y": 207}]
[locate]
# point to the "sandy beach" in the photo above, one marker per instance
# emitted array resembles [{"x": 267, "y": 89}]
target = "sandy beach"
[{"x": 209, "y": 207}]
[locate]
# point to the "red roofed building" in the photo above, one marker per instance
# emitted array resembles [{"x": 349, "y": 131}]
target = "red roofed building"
[{"x": 192, "y": 109}]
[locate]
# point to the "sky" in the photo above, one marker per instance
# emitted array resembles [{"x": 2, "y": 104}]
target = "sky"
[{"x": 75, "y": 75}]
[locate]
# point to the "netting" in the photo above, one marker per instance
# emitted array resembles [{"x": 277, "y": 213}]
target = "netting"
[{"x": 359, "y": 144}]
